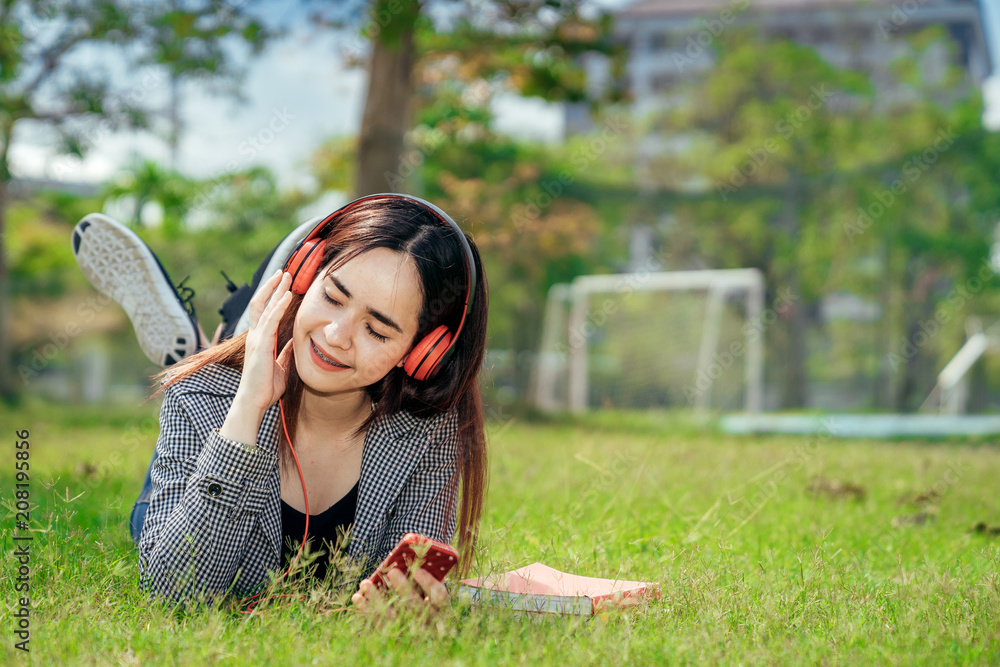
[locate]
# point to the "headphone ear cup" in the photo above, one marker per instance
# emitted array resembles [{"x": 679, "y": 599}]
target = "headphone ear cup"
[
  {"x": 303, "y": 265},
  {"x": 425, "y": 355}
]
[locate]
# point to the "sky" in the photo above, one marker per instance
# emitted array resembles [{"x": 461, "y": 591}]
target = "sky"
[{"x": 298, "y": 93}]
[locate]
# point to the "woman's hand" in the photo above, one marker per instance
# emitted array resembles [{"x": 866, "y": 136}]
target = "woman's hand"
[
  {"x": 264, "y": 377},
  {"x": 428, "y": 595}
]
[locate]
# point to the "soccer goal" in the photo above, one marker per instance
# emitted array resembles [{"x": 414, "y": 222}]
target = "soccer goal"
[{"x": 653, "y": 339}]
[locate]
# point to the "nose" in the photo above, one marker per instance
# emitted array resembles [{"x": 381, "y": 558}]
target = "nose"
[{"x": 338, "y": 333}]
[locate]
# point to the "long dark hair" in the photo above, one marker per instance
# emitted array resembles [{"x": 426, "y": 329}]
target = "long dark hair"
[{"x": 403, "y": 226}]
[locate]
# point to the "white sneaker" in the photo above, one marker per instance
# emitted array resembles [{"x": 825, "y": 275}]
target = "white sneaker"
[{"x": 120, "y": 265}]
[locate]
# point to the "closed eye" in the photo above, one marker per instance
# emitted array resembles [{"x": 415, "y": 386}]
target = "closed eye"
[{"x": 377, "y": 336}]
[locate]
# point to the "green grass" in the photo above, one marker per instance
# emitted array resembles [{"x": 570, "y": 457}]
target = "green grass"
[{"x": 753, "y": 567}]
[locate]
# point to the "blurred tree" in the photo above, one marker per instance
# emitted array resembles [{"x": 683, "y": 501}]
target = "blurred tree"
[
  {"x": 386, "y": 116},
  {"x": 58, "y": 70},
  {"x": 238, "y": 203},
  {"x": 806, "y": 172},
  {"x": 527, "y": 46},
  {"x": 146, "y": 182},
  {"x": 189, "y": 40},
  {"x": 764, "y": 128}
]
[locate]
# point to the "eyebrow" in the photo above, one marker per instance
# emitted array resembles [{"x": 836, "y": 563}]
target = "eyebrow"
[{"x": 381, "y": 317}]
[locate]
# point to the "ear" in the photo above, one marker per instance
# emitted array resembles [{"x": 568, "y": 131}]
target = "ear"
[{"x": 403, "y": 360}]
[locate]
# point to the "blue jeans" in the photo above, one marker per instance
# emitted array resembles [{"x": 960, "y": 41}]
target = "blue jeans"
[{"x": 141, "y": 504}]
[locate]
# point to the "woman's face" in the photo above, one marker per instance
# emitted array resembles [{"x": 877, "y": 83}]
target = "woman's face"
[{"x": 358, "y": 322}]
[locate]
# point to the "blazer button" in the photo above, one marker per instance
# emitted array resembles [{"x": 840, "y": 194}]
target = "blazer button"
[{"x": 215, "y": 489}]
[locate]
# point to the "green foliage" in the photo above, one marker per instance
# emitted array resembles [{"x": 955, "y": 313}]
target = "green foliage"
[
  {"x": 193, "y": 42},
  {"x": 332, "y": 164},
  {"x": 530, "y": 47},
  {"x": 40, "y": 257},
  {"x": 826, "y": 184},
  {"x": 54, "y": 72},
  {"x": 502, "y": 191},
  {"x": 240, "y": 202},
  {"x": 48, "y": 87},
  {"x": 146, "y": 182}
]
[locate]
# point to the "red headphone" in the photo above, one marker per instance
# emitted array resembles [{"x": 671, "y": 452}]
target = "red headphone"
[{"x": 427, "y": 356}]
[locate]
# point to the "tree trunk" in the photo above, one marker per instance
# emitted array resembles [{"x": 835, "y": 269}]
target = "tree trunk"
[
  {"x": 883, "y": 378},
  {"x": 390, "y": 83},
  {"x": 794, "y": 376},
  {"x": 917, "y": 376},
  {"x": 911, "y": 366}
]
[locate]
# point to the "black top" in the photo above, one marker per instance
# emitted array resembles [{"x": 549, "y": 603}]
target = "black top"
[{"x": 323, "y": 527}]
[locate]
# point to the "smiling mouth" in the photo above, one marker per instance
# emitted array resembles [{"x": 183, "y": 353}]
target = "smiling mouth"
[{"x": 325, "y": 358}]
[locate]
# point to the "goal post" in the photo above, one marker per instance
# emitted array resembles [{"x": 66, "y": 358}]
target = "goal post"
[{"x": 652, "y": 339}]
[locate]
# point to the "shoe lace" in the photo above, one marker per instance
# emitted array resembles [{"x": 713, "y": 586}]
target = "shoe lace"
[
  {"x": 186, "y": 295},
  {"x": 230, "y": 285}
]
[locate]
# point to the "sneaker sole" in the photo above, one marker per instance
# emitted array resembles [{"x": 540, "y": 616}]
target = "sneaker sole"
[
  {"x": 121, "y": 266},
  {"x": 276, "y": 260}
]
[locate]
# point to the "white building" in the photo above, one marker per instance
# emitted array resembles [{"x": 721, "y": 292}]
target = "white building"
[{"x": 672, "y": 41}]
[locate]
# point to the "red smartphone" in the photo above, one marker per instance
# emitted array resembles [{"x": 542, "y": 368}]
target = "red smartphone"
[{"x": 417, "y": 551}]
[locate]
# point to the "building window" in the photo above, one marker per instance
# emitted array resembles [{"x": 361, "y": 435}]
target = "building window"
[{"x": 659, "y": 41}]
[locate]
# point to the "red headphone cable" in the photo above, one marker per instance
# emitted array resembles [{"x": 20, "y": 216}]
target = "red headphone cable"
[{"x": 251, "y": 605}]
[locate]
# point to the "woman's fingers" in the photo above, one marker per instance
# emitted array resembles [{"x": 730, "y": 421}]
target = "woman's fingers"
[
  {"x": 369, "y": 601},
  {"x": 276, "y": 309},
  {"x": 264, "y": 377},
  {"x": 432, "y": 594},
  {"x": 401, "y": 585},
  {"x": 258, "y": 304},
  {"x": 434, "y": 591},
  {"x": 285, "y": 356},
  {"x": 361, "y": 597}
]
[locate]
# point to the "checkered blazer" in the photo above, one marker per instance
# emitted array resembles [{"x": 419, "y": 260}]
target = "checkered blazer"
[{"x": 214, "y": 519}]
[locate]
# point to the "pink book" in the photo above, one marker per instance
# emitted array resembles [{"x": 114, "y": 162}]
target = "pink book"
[{"x": 539, "y": 588}]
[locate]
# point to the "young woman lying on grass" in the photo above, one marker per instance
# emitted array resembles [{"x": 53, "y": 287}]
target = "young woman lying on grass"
[{"x": 373, "y": 344}]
